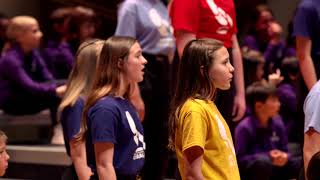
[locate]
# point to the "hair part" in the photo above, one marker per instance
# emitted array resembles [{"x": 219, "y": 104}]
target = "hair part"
[{"x": 193, "y": 79}]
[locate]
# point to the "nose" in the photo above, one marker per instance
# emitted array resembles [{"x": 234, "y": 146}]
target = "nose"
[
  {"x": 231, "y": 68},
  {"x": 144, "y": 60}
]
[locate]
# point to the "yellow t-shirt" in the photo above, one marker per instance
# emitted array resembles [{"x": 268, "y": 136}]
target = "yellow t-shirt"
[{"x": 201, "y": 124}]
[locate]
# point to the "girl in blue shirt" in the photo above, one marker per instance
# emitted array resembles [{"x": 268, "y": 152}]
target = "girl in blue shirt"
[{"x": 109, "y": 119}]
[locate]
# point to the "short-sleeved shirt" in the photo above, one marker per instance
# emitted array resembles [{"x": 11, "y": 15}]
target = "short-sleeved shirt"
[
  {"x": 71, "y": 121},
  {"x": 115, "y": 120},
  {"x": 200, "y": 124},
  {"x": 205, "y": 18},
  {"x": 147, "y": 21},
  {"x": 312, "y": 109},
  {"x": 307, "y": 24}
]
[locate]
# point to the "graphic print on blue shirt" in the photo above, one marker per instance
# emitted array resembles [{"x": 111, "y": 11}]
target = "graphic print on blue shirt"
[{"x": 115, "y": 120}]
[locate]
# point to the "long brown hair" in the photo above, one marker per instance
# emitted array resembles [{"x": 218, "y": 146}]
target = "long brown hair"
[
  {"x": 193, "y": 77},
  {"x": 107, "y": 77},
  {"x": 81, "y": 77}
]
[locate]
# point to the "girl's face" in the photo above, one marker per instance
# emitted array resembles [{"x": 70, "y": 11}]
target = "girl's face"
[
  {"x": 4, "y": 157},
  {"x": 271, "y": 106},
  {"x": 133, "y": 67},
  {"x": 221, "y": 69},
  {"x": 31, "y": 37},
  {"x": 86, "y": 31}
]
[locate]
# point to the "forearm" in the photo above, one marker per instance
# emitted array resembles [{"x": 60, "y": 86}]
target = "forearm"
[
  {"x": 106, "y": 172},
  {"x": 83, "y": 171},
  {"x": 308, "y": 71},
  {"x": 182, "y": 38},
  {"x": 238, "y": 68}
]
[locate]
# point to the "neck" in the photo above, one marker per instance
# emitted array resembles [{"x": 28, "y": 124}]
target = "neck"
[
  {"x": 25, "y": 49},
  {"x": 123, "y": 86},
  {"x": 262, "y": 118}
]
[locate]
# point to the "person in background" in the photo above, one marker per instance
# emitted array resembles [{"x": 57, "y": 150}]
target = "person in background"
[
  {"x": 57, "y": 51},
  {"x": 4, "y": 156},
  {"x": 313, "y": 172},
  {"x": 198, "y": 132},
  {"x": 311, "y": 110},
  {"x": 26, "y": 85},
  {"x": 78, "y": 86},
  {"x": 110, "y": 121},
  {"x": 194, "y": 19},
  {"x": 260, "y": 139},
  {"x": 148, "y": 22},
  {"x": 81, "y": 26}
]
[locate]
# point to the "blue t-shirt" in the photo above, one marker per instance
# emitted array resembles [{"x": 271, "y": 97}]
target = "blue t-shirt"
[
  {"x": 148, "y": 21},
  {"x": 312, "y": 109},
  {"x": 307, "y": 24},
  {"x": 70, "y": 121},
  {"x": 115, "y": 120}
]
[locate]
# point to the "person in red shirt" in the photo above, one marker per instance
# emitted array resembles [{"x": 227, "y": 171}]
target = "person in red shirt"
[{"x": 193, "y": 19}]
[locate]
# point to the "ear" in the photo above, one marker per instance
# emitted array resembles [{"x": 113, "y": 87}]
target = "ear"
[{"x": 120, "y": 63}]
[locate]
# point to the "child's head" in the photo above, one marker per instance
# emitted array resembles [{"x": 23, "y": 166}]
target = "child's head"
[
  {"x": 204, "y": 67},
  {"x": 4, "y": 157},
  {"x": 82, "y": 23},
  {"x": 81, "y": 77},
  {"x": 262, "y": 17},
  {"x": 253, "y": 63},
  {"x": 120, "y": 60},
  {"x": 290, "y": 69},
  {"x": 120, "y": 66},
  {"x": 59, "y": 20},
  {"x": 262, "y": 98},
  {"x": 313, "y": 172},
  {"x": 25, "y": 31}
]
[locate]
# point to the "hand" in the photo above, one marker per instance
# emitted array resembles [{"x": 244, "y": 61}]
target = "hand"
[
  {"x": 60, "y": 90},
  {"x": 275, "y": 78},
  {"x": 239, "y": 107},
  {"x": 274, "y": 32},
  {"x": 279, "y": 158}
]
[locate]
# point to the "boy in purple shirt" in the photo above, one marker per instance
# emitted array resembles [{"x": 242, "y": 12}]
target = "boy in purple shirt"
[
  {"x": 24, "y": 87},
  {"x": 261, "y": 139}
]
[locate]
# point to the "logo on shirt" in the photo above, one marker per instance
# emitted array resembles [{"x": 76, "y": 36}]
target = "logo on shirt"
[
  {"x": 274, "y": 137},
  {"x": 221, "y": 16},
  {"x": 137, "y": 137}
]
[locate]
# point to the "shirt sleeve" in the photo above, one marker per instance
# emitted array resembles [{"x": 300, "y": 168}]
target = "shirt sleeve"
[
  {"x": 18, "y": 76},
  {"x": 194, "y": 128},
  {"x": 312, "y": 112},
  {"x": 127, "y": 20},
  {"x": 71, "y": 120},
  {"x": 104, "y": 124},
  {"x": 185, "y": 15},
  {"x": 303, "y": 21}
]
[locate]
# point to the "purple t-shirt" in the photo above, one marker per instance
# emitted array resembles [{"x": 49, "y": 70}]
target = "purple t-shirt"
[
  {"x": 59, "y": 58},
  {"x": 115, "y": 120},
  {"x": 24, "y": 73},
  {"x": 252, "y": 140}
]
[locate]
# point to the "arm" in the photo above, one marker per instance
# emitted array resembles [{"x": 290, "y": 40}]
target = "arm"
[
  {"x": 104, "y": 161},
  {"x": 305, "y": 61},
  {"x": 311, "y": 146},
  {"x": 192, "y": 158},
  {"x": 239, "y": 106},
  {"x": 79, "y": 159},
  {"x": 182, "y": 38}
]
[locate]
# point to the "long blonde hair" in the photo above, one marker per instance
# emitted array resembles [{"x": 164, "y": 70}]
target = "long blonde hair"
[
  {"x": 81, "y": 77},
  {"x": 107, "y": 77}
]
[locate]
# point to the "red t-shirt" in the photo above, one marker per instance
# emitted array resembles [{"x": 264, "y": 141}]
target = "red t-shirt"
[{"x": 205, "y": 18}]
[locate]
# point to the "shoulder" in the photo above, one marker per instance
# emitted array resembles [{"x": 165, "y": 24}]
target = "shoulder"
[
  {"x": 11, "y": 57},
  {"x": 129, "y": 5},
  {"x": 246, "y": 123},
  {"x": 194, "y": 105}
]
